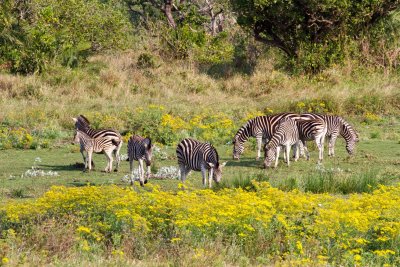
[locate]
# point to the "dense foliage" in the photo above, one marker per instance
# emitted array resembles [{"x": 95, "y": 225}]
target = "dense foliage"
[
  {"x": 316, "y": 33},
  {"x": 266, "y": 226},
  {"x": 36, "y": 33}
]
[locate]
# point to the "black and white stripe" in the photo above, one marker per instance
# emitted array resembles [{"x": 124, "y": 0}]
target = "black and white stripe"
[
  {"x": 313, "y": 129},
  {"x": 286, "y": 135},
  {"x": 198, "y": 156},
  {"x": 96, "y": 145},
  {"x": 262, "y": 128},
  {"x": 83, "y": 124},
  {"x": 336, "y": 126},
  {"x": 140, "y": 149}
]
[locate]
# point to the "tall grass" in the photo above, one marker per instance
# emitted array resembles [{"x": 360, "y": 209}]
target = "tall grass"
[
  {"x": 333, "y": 181},
  {"x": 337, "y": 182}
]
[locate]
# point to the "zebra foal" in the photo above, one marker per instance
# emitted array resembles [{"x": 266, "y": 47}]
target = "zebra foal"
[
  {"x": 198, "y": 156},
  {"x": 140, "y": 149},
  {"x": 96, "y": 145},
  {"x": 286, "y": 135},
  {"x": 262, "y": 128},
  {"x": 83, "y": 124},
  {"x": 313, "y": 129},
  {"x": 336, "y": 126}
]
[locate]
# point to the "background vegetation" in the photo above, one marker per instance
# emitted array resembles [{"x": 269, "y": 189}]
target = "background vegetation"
[{"x": 172, "y": 69}]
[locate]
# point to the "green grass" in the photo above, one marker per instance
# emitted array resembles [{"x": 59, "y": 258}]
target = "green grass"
[{"x": 376, "y": 162}]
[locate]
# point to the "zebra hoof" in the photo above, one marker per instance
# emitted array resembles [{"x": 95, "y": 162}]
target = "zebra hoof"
[
  {"x": 145, "y": 181},
  {"x": 115, "y": 170}
]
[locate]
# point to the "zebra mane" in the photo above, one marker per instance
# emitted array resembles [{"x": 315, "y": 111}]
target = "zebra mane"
[
  {"x": 82, "y": 123},
  {"x": 244, "y": 130},
  {"x": 83, "y": 120}
]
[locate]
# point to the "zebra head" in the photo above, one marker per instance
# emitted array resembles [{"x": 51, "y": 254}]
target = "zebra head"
[
  {"x": 217, "y": 171},
  {"x": 148, "y": 150},
  {"x": 238, "y": 148},
  {"x": 270, "y": 155},
  {"x": 351, "y": 137}
]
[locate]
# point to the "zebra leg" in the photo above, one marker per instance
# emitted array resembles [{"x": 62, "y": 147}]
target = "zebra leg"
[
  {"x": 296, "y": 150},
  {"x": 141, "y": 172},
  {"x": 131, "y": 169},
  {"x": 284, "y": 157},
  {"x": 259, "y": 143},
  {"x": 322, "y": 146},
  {"x": 109, "y": 161},
  {"x": 203, "y": 175},
  {"x": 89, "y": 159},
  {"x": 210, "y": 177},
  {"x": 287, "y": 151},
  {"x": 332, "y": 142},
  {"x": 183, "y": 172},
  {"x": 82, "y": 150},
  {"x": 278, "y": 149},
  {"x": 117, "y": 157},
  {"x": 306, "y": 152},
  {"x": 148, "y": 173}
]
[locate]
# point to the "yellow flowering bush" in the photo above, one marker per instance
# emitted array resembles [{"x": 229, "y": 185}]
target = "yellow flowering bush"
[
  {"x": 370, "y": 117},
  {"x": 292, "y": 227},
  {"x": 15, "y": 138}
]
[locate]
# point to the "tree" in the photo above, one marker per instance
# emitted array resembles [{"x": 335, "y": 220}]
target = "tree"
[
  {"x": 315, "y": 25},
  {"x": 176, "y": 12}
]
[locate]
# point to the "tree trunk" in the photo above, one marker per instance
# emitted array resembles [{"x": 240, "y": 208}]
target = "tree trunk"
[{"x": 168, "y": 13}]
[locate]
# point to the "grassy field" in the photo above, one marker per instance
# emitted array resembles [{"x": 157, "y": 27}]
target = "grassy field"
[
  {"x": 97, "y": 225},
  {"x": 376, "y": 159}
]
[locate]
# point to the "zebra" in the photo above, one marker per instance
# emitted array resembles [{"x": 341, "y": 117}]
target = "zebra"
[
  {"x": 313, "y": 129},
  {"x": 83, "y": 124},
  {"x": 198, "y": 156},
  {"x": 96, "y": 145},
  {"x": 336, "y": 126},
  {"x": 262, "y": 128},
  {"x": 286, "y": 135},
  {"x": 140, "y": 149}
]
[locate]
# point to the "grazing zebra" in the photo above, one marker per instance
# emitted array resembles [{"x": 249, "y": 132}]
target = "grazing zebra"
[
  {"x": 83, "y": 124},
  {"x": 96, "y": 145},
  {"x": 336, "y": 125},
  {"x": 313, "y": 129},
  {"x": 140, "y": 149},
  {"x": 286, "y": 135},
  {"x": 262, "y": 128},
  {"x": 197, "y": 156}
]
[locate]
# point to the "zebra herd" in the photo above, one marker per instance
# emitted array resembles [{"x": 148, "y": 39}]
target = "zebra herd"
[{"x": 275, "y": 131}]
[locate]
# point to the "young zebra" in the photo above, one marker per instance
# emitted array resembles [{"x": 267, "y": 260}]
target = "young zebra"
[
  {"x": 313, "y": 129},
  {"x": 140, "y": 149},
  {"x": 336, "y": 126},
  {"x": 197, "y": 156},
  {"x": 83, "y": 124},
  {"x": 262, "y": 128},
  {"x": 286, "y": 135},
  {"x": 96, "y": 145}
]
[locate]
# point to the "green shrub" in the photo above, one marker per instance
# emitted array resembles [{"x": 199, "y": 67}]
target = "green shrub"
[
  {"x": 65, "y": 31},
  {"x": 145, "y": 61}
]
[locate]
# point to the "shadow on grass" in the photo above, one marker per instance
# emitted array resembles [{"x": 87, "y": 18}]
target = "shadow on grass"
[
  {"x": 245, "y": 163},
  {"x": 78, "y": 183},
  {"x": 71, "y": 167}
]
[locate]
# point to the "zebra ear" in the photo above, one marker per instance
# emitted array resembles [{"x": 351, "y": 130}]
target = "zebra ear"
[
  {"x": 211, "y": 164},
  {"x": 75, "y": 119},
  {"x": 223, "y": 164}
]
